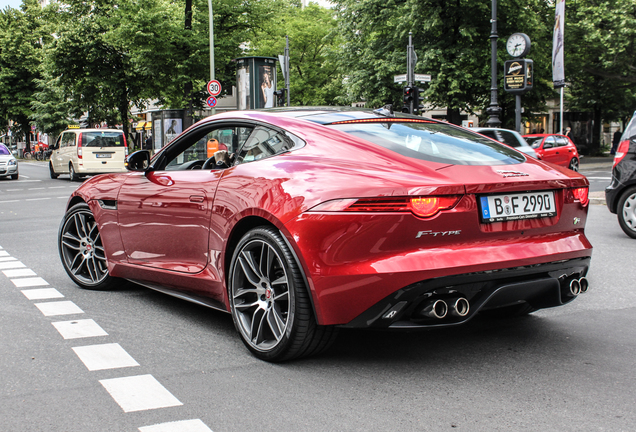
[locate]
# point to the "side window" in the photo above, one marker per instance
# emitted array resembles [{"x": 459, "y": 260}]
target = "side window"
[
  {"x": 490, "y": 134},
  {"x": 68, "y": 139},
  {"x": 561, "y": 141},
  {"x": 264, "y": 143},
  {"x": 213, "y": 147},
  {"x": 549, "y": 142},
  {"x": 509, "y": 138}
]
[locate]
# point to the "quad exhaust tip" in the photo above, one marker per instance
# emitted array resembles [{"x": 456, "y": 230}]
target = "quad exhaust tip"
[
  {"x": 439, "y": 309},
  {"x": 460, "y": 307},
  {"x": 436, "y": 309},
  {"x": 579, "y": 286}
]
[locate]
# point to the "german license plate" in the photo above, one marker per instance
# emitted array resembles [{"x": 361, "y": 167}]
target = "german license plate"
[
  {"x": 102, "y": 155},
  {"x": 516, "y": 206}
]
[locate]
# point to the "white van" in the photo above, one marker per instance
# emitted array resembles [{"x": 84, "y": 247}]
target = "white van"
[{"x": 80, "y": 152}]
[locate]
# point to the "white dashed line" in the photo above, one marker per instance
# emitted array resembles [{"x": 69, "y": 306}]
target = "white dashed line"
[
  {"x": 19, "y": 273},
  {"x": 11, "y": 264},
  {"x": 59, "y": 308},
  {"x": 4, "y": 253},
  {"x": 79, "y": 329},
  {"x": 178, "y": 426},
  {"x": 29, "y": 282},
  {"x": 42, "y": 294},
  {"x": 4, "y": 259},
  {"x": 37, "y": 199},
  {"x": 37, "y": 188},
  {"x": 10, "y": 201},
  {"x": 139, "y": 393},
  {"x": 106, "y": 356}
]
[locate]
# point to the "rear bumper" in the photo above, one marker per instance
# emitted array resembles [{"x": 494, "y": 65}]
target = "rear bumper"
[{"x": 541, "y": 286}]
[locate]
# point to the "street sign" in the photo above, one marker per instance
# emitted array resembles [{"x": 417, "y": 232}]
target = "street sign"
[
  {"x": 211, "y": 101},
  {"x": 214, "y": 88},
  {"x": 422, "y": 78},
  {"x": 399, "y": 78}
]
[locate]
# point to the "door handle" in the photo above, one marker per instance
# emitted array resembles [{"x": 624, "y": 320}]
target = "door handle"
[{"x": 197, "y": 198}]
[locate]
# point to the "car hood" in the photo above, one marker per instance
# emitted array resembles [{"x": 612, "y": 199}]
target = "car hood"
[{"x": 6, "y": 158}]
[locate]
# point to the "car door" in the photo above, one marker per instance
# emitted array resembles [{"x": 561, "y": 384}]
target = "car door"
[
  {"x": 565, "y": 152},
  {"x": 550, "y": 150},
  {"x": 164, "y": 215}
]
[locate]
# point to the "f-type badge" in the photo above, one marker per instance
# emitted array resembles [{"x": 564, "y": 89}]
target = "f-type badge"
[
  {"x": 437, "y": 233},
  {"x": 512, "y": 173}
]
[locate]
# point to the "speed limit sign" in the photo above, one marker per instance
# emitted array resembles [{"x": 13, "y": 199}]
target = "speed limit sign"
[{"x": 214, "y": 88}]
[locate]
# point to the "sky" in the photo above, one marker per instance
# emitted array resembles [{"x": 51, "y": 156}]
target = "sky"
[{"x": 13, "y": 3}]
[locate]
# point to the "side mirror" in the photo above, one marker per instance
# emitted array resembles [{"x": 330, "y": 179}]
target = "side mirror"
[{"x": 138, "y": 161}]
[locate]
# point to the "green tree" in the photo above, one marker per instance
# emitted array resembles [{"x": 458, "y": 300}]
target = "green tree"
[
  {"x": 600, "y": 56},
  {"x": 20, "y": 58},
  {"x": 452, "y": 40},
  {"x": 315, "y": 78}
]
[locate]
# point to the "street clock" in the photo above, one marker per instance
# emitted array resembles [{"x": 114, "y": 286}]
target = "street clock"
[{"x": 518, "y": 45}]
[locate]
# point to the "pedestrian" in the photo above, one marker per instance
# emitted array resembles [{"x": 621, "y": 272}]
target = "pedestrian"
[
  {"x": 568, "y": 132},
  {"x": 148, "y": 143},
  {"x": 615, "y": 140},
  {"x": 542, "y": 131}
]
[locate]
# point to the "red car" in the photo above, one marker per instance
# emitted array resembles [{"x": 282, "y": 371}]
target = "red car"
[
  {"x": 316, "y": 219},
  {"x": 554, "y": 148}
]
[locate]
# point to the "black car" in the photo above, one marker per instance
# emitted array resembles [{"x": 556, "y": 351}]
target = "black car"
[{"x": 620, "y": 195}]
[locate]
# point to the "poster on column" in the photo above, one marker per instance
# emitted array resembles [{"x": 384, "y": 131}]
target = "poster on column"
[{"x": 558, "y": 69}]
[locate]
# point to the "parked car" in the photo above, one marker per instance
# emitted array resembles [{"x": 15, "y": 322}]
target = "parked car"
[
  {"x": 81, "y": 152},
  {"x": 555, "y": 148},
  {"x": 315, "y": 219},
  {"x": 8, "y": 163},
  {"x": 508, "y": 137},
  {"x": 620, "y": 195}
]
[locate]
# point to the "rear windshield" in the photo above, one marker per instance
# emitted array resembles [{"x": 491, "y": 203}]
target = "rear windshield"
[
  {"x": 434, "y": 142},
  {"x": 534, "y": 142},
  {"x": 4, "y": 150},
  {"x": 102, "y": 139}
]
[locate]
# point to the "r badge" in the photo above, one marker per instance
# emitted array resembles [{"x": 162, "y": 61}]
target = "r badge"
[{"x": 577, "y": 220}]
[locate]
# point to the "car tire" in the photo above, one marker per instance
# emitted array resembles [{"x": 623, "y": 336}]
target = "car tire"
[
  {"x": 15, "y": 176},
  {"x": 574, "y": 164},
  {"x": 71, "y": 173},
  {"x": 81, "y": 250},
  {"x": 52, "y": 171},
  {"x": 269, "y": 301},
  {"x": 626, "y": 211}
]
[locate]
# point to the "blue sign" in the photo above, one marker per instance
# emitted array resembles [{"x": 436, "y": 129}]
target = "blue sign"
[{"x": 211, "y": 101}]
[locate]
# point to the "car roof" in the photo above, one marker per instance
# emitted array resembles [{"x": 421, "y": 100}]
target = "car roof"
[{"x": 93, "y": 130}]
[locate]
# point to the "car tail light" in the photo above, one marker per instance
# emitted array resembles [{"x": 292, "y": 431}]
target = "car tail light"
[
  {"x": 79, "y": 146},
  {"x": 622, "y": 150},
  {"x": 582, "y": 195},
  {"x": 420, "y": 206}
]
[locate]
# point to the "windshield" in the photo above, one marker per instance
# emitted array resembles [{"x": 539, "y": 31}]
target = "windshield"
[
  {"x": 534, "y": 142},
  {"x": 102, "y": 139},
  {"x": 4, "y": 150},
  {"x": 432, "y": 141}
]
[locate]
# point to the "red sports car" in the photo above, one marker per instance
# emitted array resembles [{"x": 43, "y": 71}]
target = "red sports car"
[
  {"x": 315, "y": 219},
  {"x": 557, "y": 149}
]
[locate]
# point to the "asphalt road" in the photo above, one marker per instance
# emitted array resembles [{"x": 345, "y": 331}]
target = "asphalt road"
[{"x": 571, "y": 368}]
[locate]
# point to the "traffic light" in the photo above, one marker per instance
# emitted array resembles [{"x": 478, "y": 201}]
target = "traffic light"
[
  {"x": 408, "y": 99},
  {"x": 417, "y": 100}
]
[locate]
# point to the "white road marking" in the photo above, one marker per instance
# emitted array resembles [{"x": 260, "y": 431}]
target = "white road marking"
[
  {"x": 11, "y": 265},
  {"x": 10, "y": 201},
  {"x": 105, "y": 356},
  {"x": 599, "y": 178},
  {"x": 138, "y": 393},
  {"x": 4, "y": 253},
  {"x": 14, "y": 190},
  {"x": 19, "y": 272},
  {"x": 29, "y": 282},
  {"x": 57, "y": 187},
  {"x": 59, "y": 308},
  {"x": 42, "y": 294},
  {"x": 178, "y": 426},
  {"x": 37, "y": 188},
  {"x": 79, "y": 329},
  {"x": 37, "y": 199}
]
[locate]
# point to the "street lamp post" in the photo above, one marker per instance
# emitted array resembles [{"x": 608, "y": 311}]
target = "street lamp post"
[
  {"x": 211, "y": 45},
  {"x": 493, "y": 110}
]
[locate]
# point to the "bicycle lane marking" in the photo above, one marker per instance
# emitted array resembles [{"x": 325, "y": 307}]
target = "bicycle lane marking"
[{"x": 132, "y": 393}]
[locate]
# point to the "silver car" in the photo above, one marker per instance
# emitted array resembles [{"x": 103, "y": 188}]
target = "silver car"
[
  {"x": 508, "y": 137},
  {"x": 8, "y": 163}
]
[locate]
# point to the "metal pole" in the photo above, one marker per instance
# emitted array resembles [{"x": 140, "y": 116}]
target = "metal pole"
[
  {"x": 493, "y": 110},
  {"x": 518, "y": 113},
  {"x": 211, "y": 12},
  {"x": 561, "y": 115},
  {"x": 287, "y": 70}
]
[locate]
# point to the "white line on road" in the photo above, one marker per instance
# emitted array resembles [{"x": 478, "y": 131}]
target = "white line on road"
[
  {"x": 59, "y": 308},
  {"x": 19, "y": 273},
  {"x": 105, "y": 356},
  {"x": 178, "y": 426},
  {"x": 79, "y": 329},
  {"x": 29, "y": 282},
  {"x": 42, "y": 294},
  {"x": 11, "y": 201},
  {"x": 11, "y": 265},
  {"x": 139, "y": 393},
  {"x": 37, "y": 199}
]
